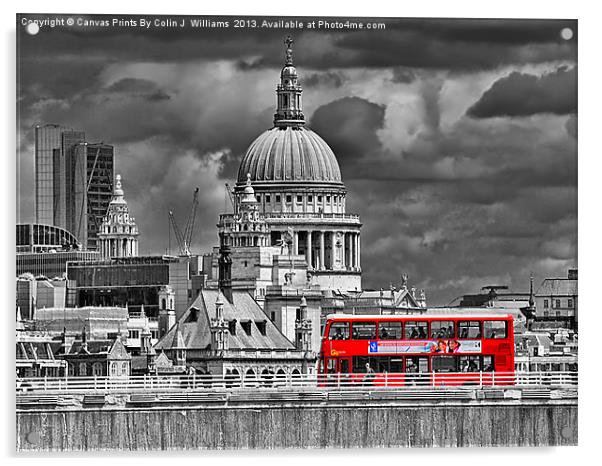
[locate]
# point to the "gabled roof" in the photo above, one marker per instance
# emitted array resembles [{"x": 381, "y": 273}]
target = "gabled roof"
[
  {"x": 194, "y": 325},
  {"x": 112, "y": 348},
  {"x": 557, "y": 287}
]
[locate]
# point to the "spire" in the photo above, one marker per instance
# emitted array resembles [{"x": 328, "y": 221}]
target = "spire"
[
  {"x": 289, "y": 50},
  {"x": 289, "y": 111}
]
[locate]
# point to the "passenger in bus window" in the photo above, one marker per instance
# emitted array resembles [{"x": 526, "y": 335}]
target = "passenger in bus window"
[
  {"x": 369, "y": 377},
  {"x": 384, "y": 335},
  {"x": 414, "y": 334},
  {"x": 422, "y": 335}
]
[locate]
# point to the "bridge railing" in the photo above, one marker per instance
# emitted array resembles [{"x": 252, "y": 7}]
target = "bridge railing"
[{"x": 338, "y": 381}]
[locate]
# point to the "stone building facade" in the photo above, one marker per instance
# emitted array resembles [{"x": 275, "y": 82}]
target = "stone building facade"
[
  {"x": 118, "y": 234},
  {"x": 290, "y": 198}
]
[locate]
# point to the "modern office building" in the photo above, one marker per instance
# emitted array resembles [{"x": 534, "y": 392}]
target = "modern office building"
[
  {"x": 73, "y": 181},
  {"x": 51, "y": 264},
  {"x": 32, "y": 237},
  {"x": 90, "y": 180},
  {"x": 135, "y": 282},
  {"x": 52, "y": 146}
]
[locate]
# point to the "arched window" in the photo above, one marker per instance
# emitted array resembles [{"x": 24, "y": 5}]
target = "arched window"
[
  {"x": 97, "y": 369},
  {"x": 83, "y": 369},
  {"x": 163, "y": 303},
  {"x": 113, "y": 368},
  {"x": 124, "y": 368}
]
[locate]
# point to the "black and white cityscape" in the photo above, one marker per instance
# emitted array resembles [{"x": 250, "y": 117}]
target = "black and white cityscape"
[{"x": 298, "y": 224}]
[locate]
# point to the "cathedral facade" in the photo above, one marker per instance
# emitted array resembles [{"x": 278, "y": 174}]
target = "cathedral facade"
[{"x": 289, "y": 224}]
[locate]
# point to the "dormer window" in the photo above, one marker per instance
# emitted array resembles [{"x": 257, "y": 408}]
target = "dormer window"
[
  {"x": 261, "y": 325},
  {"x": 232, "y": 327},
  {"x": 246, "y": 326}
]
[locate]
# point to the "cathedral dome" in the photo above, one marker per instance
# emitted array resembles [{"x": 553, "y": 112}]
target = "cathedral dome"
[{"x": 289, "y": 154}]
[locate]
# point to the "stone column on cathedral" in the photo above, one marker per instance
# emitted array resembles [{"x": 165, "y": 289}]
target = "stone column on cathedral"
[
  {"x": 308, "y": 250},
  {"x": 333, "y": 246},
  {"x": 322, "y": 250},
  {"x": 358, "y": 250},
  {"x": 295, "y": 243},
  {"x": 352, "y": 250},
  {"x": 343, "y": 253}
]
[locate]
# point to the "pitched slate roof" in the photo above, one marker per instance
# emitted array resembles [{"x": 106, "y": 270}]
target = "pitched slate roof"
[
  {"x": 557, "y": 287},
  {"x": 194, "y": 325}
]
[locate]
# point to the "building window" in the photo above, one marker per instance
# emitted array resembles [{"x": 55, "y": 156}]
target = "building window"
[
  {"x": 289, "y": 198},
  {"x": 327, "y": 199},
  {"x": 97, "y": 369},
  {"x": 557, "y": 313},
  {"x": 261, "y": 325},
  {"x": 134, "y": 334},
  {"x": 570, "y": 303},
  {"x": 278, "y": 198},
  {"x": 267, "y": 198},
  {"x": 319, "y": 198},
  {"x": 246, "y": 326},
  {"x": 83, "y": 369},
  {"x": 299, "y": 199},
  {"x": 557, "y": 303},
  {"x": 310, "y": 198},
  {"x": 545, "y": 303}
]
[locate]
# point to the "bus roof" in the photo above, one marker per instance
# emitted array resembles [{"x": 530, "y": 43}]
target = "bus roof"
[{"x": 416, "y": 316}]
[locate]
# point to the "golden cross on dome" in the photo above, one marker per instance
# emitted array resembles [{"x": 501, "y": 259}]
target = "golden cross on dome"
[{"x": 289, "y": 50}]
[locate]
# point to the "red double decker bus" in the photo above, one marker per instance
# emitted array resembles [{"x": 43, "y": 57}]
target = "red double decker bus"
[{"x": 418, "y": 349}]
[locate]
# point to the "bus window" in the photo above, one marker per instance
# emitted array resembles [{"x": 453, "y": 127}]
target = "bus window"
[
  {"x": 416, "y": 330},
  {"x": 364, "y": 330},
  {"x": 444, "y": 364},
  {"x": 380, "y": 364},
  {"x": 469, "y": 329},
  {"x": 331, "y": 366},
  {"x": 416, "y": 364},
  {"x": 495, "y": 329},
  {"x": 442, "y": 329},
  {"x": 339, "y": 331},
  {"x": 389, "y": 330},
  {"x": 396, "y": 365},
  {"x": 487, "y": 364},
  {"x": 344, "y": 366},
  {"x": 470, "y": 364},
  {"x": 359, "y": 364}
]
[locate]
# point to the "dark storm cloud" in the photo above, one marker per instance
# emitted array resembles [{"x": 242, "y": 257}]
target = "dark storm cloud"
[
  {"x": 465, "y": 202},
  {"x": 143, "y": 88},
  {"x": 520, "y": 94},
  {"x": 351, "y": 125},
  {"x": 329, "y": 78},
  {"x": 423, "y": 43}
]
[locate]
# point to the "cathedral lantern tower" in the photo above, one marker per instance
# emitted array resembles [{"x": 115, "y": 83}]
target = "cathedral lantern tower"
[{"x": 118, "y": 234}]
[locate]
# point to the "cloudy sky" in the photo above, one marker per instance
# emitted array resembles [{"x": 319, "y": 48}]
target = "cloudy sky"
[{"x": 456, "y": 138}]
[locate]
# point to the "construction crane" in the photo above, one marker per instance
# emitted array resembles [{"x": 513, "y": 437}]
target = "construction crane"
[
  {"x": 184, "y": 239},
  {"x": 230, "y": 195}
]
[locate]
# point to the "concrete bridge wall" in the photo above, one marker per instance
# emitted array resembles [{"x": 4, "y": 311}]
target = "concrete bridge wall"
[{"x": 421, "y": 424}]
